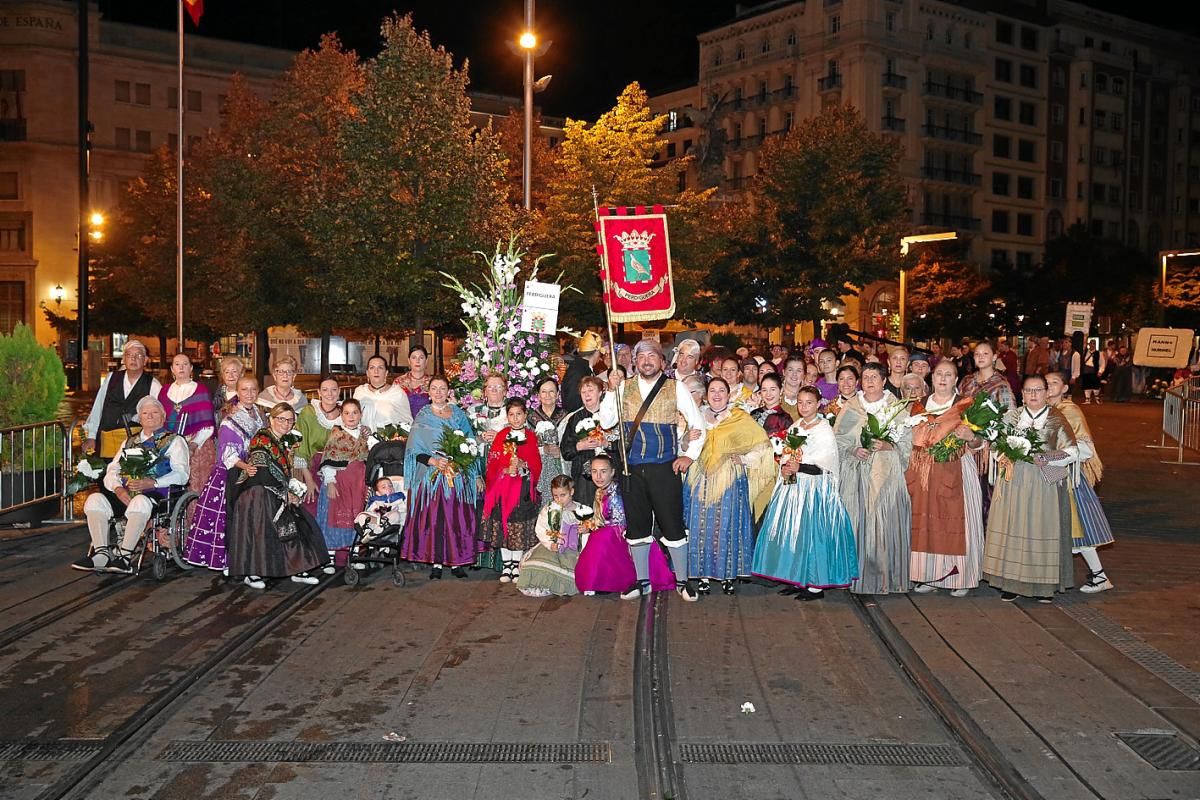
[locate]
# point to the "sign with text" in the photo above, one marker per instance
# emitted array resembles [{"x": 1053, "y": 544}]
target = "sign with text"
[
  {"x": 539, "y": 308},
  {"x": 1079, "y": 318},
  {"x": 1163, "y": 347},
  {"x": 635, "y": 254}
]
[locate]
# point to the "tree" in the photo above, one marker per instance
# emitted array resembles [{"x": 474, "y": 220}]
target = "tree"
[
  {"x": 422, "y": 190},
  {"x": 512, "y": 144},
  {"x": 946, "y": 297},
  {"x": 825, "y": 217}
]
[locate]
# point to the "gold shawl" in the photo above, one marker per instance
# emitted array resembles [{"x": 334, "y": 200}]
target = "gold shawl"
[
  {"x": 738, "y": 434},
  {"x": 1093, "y": 468}
]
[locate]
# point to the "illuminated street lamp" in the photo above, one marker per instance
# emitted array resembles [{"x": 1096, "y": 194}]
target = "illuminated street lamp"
[
  {"x": 96, "y": 229},
  {"x": 905, "y": 241},
  {"x": 57, "y": 294},
  {"x": 528, "y": 47}
]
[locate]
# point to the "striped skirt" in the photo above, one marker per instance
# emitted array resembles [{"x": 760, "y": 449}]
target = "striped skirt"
[{"x": 1088, "y": 519}]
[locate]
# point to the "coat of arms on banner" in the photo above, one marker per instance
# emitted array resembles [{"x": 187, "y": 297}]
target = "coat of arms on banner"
[{"x": 636, "y": 255}]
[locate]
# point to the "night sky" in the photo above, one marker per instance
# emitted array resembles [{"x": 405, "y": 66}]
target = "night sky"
[{"x": 599, "y": 45}]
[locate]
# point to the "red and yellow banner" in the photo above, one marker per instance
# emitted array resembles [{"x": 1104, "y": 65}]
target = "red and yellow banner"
[
  {"x": 195, "y": 9},
  {"x": 635, "y": 264}
]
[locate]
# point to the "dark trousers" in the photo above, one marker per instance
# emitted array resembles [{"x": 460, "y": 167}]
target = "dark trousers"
[{"x": 654, "y": 493}]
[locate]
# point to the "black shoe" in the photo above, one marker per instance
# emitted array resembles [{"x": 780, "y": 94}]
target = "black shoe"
[
  {"x": 458, "y": 572},
  {"x": 702, "y": 586},
  {"x": 120, "y": 565},
  {"x": 727, "y": 587},
  {"x": 686, "y": 591},
  {"x": 1008, "y": 597},
  {"x": 787, "y": 591},
  {"x": 636, "y": 591},
  {"x": 435, "y": 574},
  {"x": 96, "y": 562},
  {"x": 807, "y": 595}
]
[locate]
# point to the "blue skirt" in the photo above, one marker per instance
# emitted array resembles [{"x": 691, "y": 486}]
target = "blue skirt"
[
  {"x": 1096, "y": 531},
  {"x": 721, "y": 531},
  {"x": 334, "y": 537},
  {"x": 806, "y": 537}
]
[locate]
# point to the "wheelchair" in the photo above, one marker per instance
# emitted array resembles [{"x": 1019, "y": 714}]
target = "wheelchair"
[{"x": 165, "y": 534}]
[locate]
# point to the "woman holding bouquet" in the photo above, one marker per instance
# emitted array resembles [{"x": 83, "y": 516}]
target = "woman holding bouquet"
[
  {"x": 872, "y": 483},
  {"x": 806, "y": 539},
  {"x": 947, "y": 507},
  {"x": 544, "y": 418},
  {"x": 1028, "y": 551},
  {"x": 270, "y": 535},
  {"x": 725, "y": 492},
  {"x": 583, "y": 437},
  {"x": 510, "y": 502},
  {"x": 985, "y": 378},
  {"x": 344, "y": 477},
  {"x": 441, "y": 503}
]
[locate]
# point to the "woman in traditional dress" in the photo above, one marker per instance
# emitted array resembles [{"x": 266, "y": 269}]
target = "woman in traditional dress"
[
  {"x": 205, "y": 543},
  {"x": 343, "y": 492},
  {"x": 549, "y": 567},
  {"x": 873, "y": 488},
  {"x": 441, "y": 502},
  {"x": 510, "y": 502},
  {"x": 545, "y": 417},
  {"x": 770, "y": 415},
  {"x": 188, "y": 406},
  {"x": 314, "y": 422},
  {"x": 231, "y": 371},
  {"x": 1028, "y": 551},
  {"x": 806, "y": 539},
  {"x": 847, "y": 390},
  {"x": 283, "y": 390},
  {"x": 947, "y": 507},
  {"x": 1089, "y": 525},
  {"x": 985, "y": 378},
  {"x": 269, "y": 534},
  {"x": 488, "y": 418},
  {"x": 415, "y": 382},
  {"x": 605, "y": 564},
  {"x": 577, "y": 451},
  {"x": 725, "y": 492},
  {"x": 827, "y": 385}
]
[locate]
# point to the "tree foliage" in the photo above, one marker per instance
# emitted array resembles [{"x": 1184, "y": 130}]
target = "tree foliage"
[
  {"x": 34, "y": 382},
  {"x": 947, "y": 298}
]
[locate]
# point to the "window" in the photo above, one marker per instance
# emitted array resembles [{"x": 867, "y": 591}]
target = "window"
[
  {"x": 1004, "y": 32},
  {"x": 1004, "y": 70},
  {"x": 1099, "y": 192},
  {"x": 670, "y": 150},
  {"x": 1088, "y": 41},
  {"x": 1000, "y": 183},
  {"x": 1135, "y": 129},
  {"x": 13, "y": 238},
  {"x": 1029, "y": 39},
  {"x": 1029, "y": 76},
  {"x": 1083, "y": 80},
  {"x": 1001, "y": 147},
  {"x": 1135, "y": 166},
  {"x": 765, "y": 47},
  {"x": 1002, "y": 107},
  {"x": 791, "y": 38},
  {"x": 1056, "y": 152},
  {"x": 173, "y": 98},
  {"x": 681, "y": 183},
  {"x": 889, "y": 21},
  {"x": 1082, "y": 116},
  {"x": 1054, "y": 225},
  {"x": 1117, "y": 120},
  {"x": 1116, "y": 157},
  {"x": 999, "y": 258},
  {"x": 1105, "y": 47},
  {"x": 687, "y": 146},
  {"x": 222, "y": 104},
  {"x": 737, "y": 94},
  {"x": 1025, "y": 188},
  {"x": 788, "y": 120},
  {"x": 141, "y": 94},
  {"x": 1027, "y": 114},
  {"x": 12, "y": 301},
  {"x": 740, "y": 54},
  {"x": 1058, "y": 114},
  {"x": 12, "y": 105},
  {"x": 141, "y": 141},
  {"x": 1099, "y": 155},
  {"x": 834, "y": 67},
  {"x": 1025, "y": 224},
  {"x": 172, "y": 142},
  {"x": 929, "y": 32},
  {"x": 835, "y": 23},
  {"x": 1100, "y": 118},
  {"x": 718, "y": 60},
  {"x": 1056, "y": 189},
  {"x": 1101, "y": 82},
  {"x": 967, "y": 40},
  {"x": 1026, "y": 151},
  {"x": 949, "y": 34},
  {"x": 123, "y": 139},
  {"x": 1079, "y": 190},
  {"x": 999, "y": 221},
  {"x": 9, "y": 188},
  {"x": 1112, "y": 229},
  {"x": 1114, "y": 195},
  {"x": 1118, "y": 86},
  {"x": 1096, "y": 227},
  {"x": 121, "y": 91},
  {"x": 1058, "y": 76},
  {"x": 1024, "y": 259},
  {"x": 194, "y": 100}
]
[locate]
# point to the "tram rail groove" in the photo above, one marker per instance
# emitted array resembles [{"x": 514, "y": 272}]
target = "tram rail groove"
[
  {"x": 135, "y": 731},
  {"x": 15, "y": 633},
  {"x": 658, "y": 774}
]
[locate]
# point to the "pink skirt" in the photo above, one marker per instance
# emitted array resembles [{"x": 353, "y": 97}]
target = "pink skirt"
[{"x": 605, "y": 564}]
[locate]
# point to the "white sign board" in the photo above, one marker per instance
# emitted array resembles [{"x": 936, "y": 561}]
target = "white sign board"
[
  {"x": 1079, "y": 318},
  {"x": 539, "y": 309},
  {"x": 1163, "y": 347}
]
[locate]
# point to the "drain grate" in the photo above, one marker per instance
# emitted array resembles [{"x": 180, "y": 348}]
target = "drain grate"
[
  {"x": 66, "y": 750},
  {"x": 1153, "y": 659},
  {"x": 390, "y": 752},
  {"x": 1162, "y": 750},
  {"x": 881, "y": 754}
]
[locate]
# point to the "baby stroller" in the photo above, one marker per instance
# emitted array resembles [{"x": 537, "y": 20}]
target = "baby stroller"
[{"x": 380, "y": 548}]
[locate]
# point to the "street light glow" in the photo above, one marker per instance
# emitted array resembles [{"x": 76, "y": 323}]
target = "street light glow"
[
  {"x": 528, "y": 40},
  {"x": 97, "y": 219}
]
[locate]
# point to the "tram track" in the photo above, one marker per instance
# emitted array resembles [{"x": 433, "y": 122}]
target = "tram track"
[{"x": 15, "y": 633}]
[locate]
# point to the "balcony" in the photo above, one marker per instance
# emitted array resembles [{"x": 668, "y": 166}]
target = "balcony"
[
  {"x": 951, "y": 221},
  {"x": 893, "y": 124},
  {"x": 951, "y": 176},
  {"x": 958, "y": 94},
  {"x": 952, "y": 134},
  {"x": 829, "y": 83},
  {"x": 892, "y": 80}
]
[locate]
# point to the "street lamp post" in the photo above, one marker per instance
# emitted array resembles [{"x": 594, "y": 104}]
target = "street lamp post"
[
  {"x": 905, "y": 241},
  {"x": 528, "y": 44}
]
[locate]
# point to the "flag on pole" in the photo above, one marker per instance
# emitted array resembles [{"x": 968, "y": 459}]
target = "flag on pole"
[
  {"x": 635, "y": 263},
  {"x": 195, "y": 9}
]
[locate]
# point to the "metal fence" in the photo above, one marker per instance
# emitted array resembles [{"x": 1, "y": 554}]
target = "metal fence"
[
  {"x": 1181, "y": 421},
  {"x": 35, "y": 462}
]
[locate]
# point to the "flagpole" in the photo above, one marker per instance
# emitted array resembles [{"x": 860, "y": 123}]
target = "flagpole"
[
  {"x": 612, "y": 345},
  {"x": 179, "y": 199}
]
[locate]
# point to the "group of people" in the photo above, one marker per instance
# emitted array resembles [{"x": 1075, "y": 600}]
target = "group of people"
[{"x": 826, "y": 468}]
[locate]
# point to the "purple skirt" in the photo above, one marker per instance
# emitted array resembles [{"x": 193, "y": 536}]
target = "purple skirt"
[
  {"x": 440, "y": 528},
  {"x": 205, "y": 543}
]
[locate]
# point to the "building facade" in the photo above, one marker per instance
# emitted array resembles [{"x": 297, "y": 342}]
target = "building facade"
[{"x": 1015, "y": 120}]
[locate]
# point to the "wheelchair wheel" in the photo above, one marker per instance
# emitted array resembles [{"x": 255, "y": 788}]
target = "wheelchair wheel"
[
  {"x": 158, "y": 567},
  {"x": 351, "y": 576},
  {"x": 178, "y": 527},
  {"x": 398, "y": 576}
]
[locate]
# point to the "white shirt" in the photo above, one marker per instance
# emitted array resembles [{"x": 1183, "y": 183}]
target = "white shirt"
[
  {"x": 268, "y": 399},
  {"x": 329, "y": 472},
  {"x": 92, "y": 426},
  {"x": 684, "y": 404},
  {"x": 1038, "y": 422},
  {"x": 386, "y": 406},
  {"x": 180, "y": 392},
  {"x": 177, "y": 452}
]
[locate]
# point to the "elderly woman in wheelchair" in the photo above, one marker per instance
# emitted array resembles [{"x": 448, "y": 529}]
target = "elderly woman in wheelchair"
[{"x": 163, "y": 456}]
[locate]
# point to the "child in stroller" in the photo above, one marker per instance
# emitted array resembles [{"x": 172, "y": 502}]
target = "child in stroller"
[
  {"x": 385, "y": 508},
  {"x": 380, "y": 529}
]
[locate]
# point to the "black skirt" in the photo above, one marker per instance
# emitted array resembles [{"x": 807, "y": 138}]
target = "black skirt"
[{"x": 252, "y": 538}]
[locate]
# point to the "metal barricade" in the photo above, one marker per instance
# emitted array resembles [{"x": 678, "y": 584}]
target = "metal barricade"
[
  {"x": 34, "y": 464},
  {"x": 1181, "y": 421}
]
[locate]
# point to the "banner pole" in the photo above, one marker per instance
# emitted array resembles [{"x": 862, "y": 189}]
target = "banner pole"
[{"x": 612, "y": 344}]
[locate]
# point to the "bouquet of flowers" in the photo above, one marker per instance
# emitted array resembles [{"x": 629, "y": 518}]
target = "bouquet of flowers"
[
  {"x": 291, "y": 439},
  {"x": 554, "y": 514},
  {"x": 461, "y": 450},
  {"x": 546, "y": 432},
  {"x": 983, "y": 417},
  {"x": 587, "y": 518},
  {"x": 786, "y": 445},
  {"x": 587, "y": 428},
  {"x": 87, "y": 471},
  {"x": 1013, "y": 444},
  {"x": 1157, "y": 388},
  {"x": 137, "y": 463},
  {"x": 297, "y": 488},
  {"x": 883, "y": 428},
  {"x": 516, "y": 437},
  {"x": 393, "y": 432},
  {"x": 831, "y": 410}
]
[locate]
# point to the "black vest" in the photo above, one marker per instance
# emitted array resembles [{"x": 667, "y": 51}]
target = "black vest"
[{"x": 117, "y": 405}]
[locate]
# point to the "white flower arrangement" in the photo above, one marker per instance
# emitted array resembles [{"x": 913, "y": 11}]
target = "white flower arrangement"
[
  {"x": 297, "y": 487},
  {"x": 545, "y": 426},
  {"x": 1019, "y": 443}
]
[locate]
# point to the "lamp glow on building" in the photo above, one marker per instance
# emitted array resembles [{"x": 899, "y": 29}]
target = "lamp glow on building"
[
  {"x": 905, "y": 242},
  {"x": 58, "y": 294}
]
